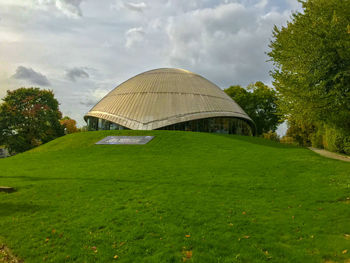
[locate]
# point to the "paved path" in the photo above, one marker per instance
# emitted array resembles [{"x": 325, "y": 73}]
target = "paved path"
[{"x": 331, "y": 154}]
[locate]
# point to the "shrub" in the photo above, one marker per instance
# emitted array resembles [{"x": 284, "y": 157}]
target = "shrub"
[
  {"x": 271, "y": 136},
  {"x": 336, "y": 140},
  {"x": 317, "y": 137},
  {"x": 288, "y": 140}
]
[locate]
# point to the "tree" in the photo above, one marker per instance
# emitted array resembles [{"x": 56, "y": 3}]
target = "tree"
[
  {"x": 70, "y": 125},
  {"x": 311, "y": 58},
  {"x": 302, "y": 132},
  {"x": 259, "y": 102},
  {"x": 28, "y": 118}
]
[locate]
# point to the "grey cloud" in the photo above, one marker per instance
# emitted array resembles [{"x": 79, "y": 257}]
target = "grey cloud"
[
  {"x": 226, "y": 43},
  {"x": 31, "y": 75},
  {"x": 76, "y": 73}
]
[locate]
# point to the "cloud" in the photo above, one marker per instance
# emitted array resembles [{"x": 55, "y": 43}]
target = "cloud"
[
  {"x": 69, "y": 7},
  {"x": 227, "y": 42},
  {"x": 262, "y": 4},
  {"x": 294, "y": 5},
  {"x": 222, "y": 40},
  {"x": 138, "y": 7},
  {"x": 32, "y": 76},
  {"x": 76, "y": 73},
  {"x": 134, "y": 36},
  {"x": 89, "y": 102},
  {"x": 94, "y": 96}
]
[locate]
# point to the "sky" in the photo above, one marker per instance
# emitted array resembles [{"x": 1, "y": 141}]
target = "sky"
[{"x": 82, "y": 49}]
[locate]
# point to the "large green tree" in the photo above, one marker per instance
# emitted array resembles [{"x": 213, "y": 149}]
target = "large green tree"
[
  {"x": 259, "y": 102},
  {"x": 311, "y": 57},
  {"x": 28, "y": 118}
]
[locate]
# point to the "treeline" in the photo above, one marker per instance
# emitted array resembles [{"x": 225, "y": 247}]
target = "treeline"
[
  {"x": 311, "y": 58},
  {"x": 311, "y": 74}
]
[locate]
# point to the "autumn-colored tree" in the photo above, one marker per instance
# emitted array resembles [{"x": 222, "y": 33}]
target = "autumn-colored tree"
[
  {"x": 70, "y": 125},
  {"x": 28, "y": 118}
]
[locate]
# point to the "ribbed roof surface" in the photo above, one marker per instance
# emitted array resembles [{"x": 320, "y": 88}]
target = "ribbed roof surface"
[{"x": 162, "y": 97}]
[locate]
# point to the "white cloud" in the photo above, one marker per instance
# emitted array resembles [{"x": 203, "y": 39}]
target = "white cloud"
[
  {"x": 294, "y": 5},
  {"x": 282, "y": 129},
  {"x": 133, "y": 36},
  {"x": 120, "y": 4},
  {"x": 69, "y": 7},
  {"x": 94, "y": 96},
  {"x": 139, "y": 7},
  {"x": 262, "y": 4},
  {"x": 10, "y": 37}
]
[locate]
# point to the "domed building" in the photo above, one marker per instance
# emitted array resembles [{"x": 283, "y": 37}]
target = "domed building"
[{"x": 169, "y": 99}]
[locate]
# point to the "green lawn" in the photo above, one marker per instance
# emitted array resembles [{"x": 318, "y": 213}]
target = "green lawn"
[{"x": 184, "y": 196}]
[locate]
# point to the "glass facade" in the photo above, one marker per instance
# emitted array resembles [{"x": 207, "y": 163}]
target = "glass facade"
[
  {"x": 96, "y": 124},
  {"x": 215, "y": 125},
  {"x": 223, "y": 125}
]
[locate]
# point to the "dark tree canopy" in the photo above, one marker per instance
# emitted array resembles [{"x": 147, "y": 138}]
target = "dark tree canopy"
[
  {"x": 259, "y": 102},
  {"x": 28, "y": 118}
]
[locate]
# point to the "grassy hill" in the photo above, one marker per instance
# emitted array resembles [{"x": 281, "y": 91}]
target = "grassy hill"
[{"x": 184, "y": 196}]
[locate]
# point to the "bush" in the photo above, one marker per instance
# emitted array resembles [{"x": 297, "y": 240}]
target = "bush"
[
  {"x": 288, "y": 140},
  {"x": 271, "y": 136},
  {"x": 336, "y": 140},
  {"x": 300, "y": 131},
  {"x": 317, "y": 137}
]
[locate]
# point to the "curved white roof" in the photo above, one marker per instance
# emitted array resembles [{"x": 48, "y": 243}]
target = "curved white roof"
[{"x": 162, "y": 97}]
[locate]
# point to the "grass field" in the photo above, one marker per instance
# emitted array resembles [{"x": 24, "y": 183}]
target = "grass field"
[{"x": 184, "y": 196}]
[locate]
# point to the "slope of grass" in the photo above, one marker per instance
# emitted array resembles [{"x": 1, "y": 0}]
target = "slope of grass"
[{"x": 184, "y": 196}]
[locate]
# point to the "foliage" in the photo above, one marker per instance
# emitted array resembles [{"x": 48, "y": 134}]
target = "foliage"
[
  {"x": 317, "y": 138},
  {"x": 300, "y": 131},
  {"x": 311, "y": 57},
  {"x": 288, "y": 140},
  {"x": 70, "y": 125},
  {"x": 226, "y": 198},
  {"x": 336, "y": 140},
  {"x": 319, "y": 135},
  {"x": 83, "y": 128},
  {"x": 28, "y": 118},
  {"x": 271, "y": 136},
  {"x": 259, "y": 102}
]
